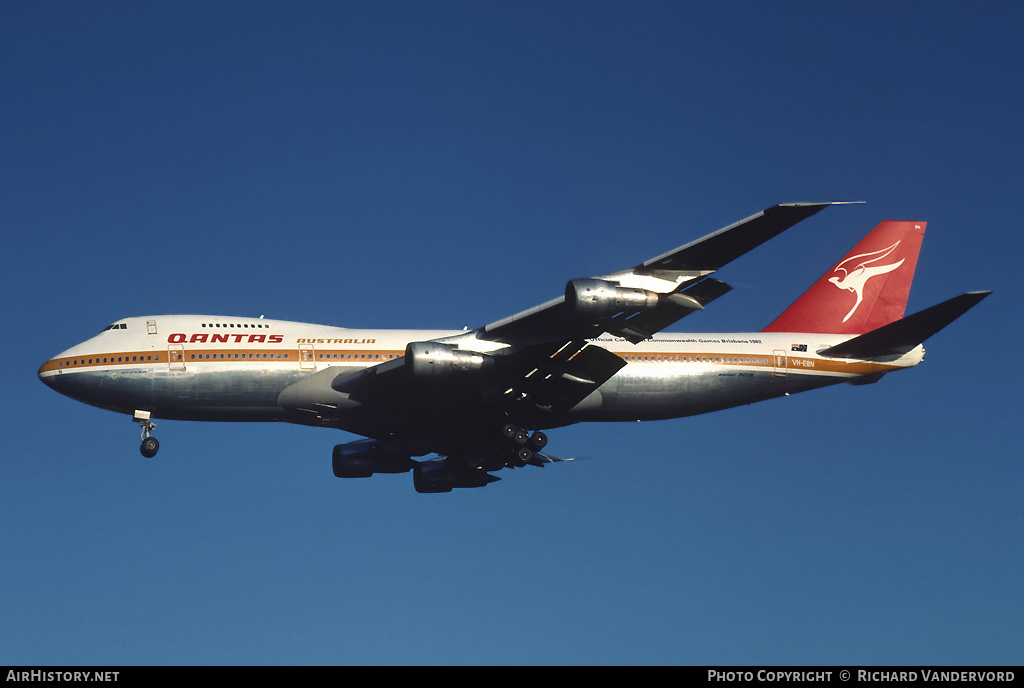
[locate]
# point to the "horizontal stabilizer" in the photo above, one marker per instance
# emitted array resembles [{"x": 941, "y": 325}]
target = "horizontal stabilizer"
[{"x": 903, "y": 335}]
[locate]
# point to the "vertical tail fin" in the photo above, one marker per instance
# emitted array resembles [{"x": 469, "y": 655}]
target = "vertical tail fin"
[{"x": 867, "y": 289}]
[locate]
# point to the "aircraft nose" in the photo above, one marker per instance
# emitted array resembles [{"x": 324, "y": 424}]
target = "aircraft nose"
[{"x": 47, "y": 373}]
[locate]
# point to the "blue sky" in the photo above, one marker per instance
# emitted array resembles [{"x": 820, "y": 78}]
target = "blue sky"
[{"x": 445, "y": 164}]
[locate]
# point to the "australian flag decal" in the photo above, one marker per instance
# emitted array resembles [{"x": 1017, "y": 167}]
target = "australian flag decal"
[{"x": 798, "y": 347}]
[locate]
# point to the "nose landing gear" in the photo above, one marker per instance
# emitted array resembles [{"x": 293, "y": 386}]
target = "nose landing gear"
[{"x": 150, "y": 445}]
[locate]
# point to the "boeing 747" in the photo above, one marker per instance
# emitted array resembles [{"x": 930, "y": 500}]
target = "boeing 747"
[{"x": 468, "y": 403}]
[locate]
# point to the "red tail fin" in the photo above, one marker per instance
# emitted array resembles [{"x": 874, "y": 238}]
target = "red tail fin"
[{"x": 865, "y": 290}]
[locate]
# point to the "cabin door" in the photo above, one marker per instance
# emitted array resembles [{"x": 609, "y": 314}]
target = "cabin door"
[
  {"x": 306, "y": 360},
  {"x": 780, "y": 363},
  {"x": 176, "y": 356}
]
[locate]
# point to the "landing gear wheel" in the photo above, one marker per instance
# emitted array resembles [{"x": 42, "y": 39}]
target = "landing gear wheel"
[
  {"x": 149, "y": 444},
  {"x": 149, "y": 447},
  {"x": 523, "y": 456},
  {"x": 515, "y": 435},
  {"x": 538, "y": 441}
]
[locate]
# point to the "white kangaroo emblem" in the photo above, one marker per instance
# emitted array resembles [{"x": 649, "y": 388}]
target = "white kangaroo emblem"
[{"x": 855, "y": 278}]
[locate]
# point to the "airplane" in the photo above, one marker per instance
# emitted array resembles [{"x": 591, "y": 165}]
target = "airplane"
[{"x": 476, "y": 401}]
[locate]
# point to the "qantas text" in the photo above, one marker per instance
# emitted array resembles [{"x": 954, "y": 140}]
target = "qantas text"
[{"x": 204, "y": 337}]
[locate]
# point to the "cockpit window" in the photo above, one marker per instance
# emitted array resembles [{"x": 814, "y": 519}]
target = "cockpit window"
[{"x": 116, "y": 326}]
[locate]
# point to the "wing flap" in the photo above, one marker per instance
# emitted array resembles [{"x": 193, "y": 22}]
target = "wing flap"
[{"x": 553, "y": 377}]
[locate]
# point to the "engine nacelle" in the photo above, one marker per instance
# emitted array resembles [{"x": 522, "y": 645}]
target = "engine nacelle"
[
  {"x": 436, "y": 476},
  {"x": 363, "y": 458},
  {"x": 594, "y": 298},
  {"x": 435, "y": 361}
]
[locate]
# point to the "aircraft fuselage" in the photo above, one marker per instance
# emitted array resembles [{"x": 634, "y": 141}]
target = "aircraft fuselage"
[{"x": 215, "y": 368}]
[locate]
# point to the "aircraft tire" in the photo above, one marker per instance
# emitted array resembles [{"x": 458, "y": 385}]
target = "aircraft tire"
[
  {"x": 538, "y": 441},
  {"x": 149, "y": 447}
]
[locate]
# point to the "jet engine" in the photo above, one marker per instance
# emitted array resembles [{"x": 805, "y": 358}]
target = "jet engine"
[
  {"x": 363, "y": 458},
  {"x": 434, "y": 361},
  {"x": 594, "y": 298},
  {"x": 437, "y": 476}
]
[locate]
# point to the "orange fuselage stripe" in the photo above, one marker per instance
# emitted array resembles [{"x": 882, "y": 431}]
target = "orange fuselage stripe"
[{"x": 794, "y": 364}]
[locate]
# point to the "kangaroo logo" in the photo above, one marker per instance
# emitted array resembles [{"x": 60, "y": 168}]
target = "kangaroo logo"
[{"x": 860, "y": 270}]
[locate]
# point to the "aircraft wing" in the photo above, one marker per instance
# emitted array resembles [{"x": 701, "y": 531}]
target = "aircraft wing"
[
  {"x": 537, "y": 364},
  {"x": 536, "y": 380},
  {"x": 637, "y": 303},
  {"x": 550, "y": 377}
]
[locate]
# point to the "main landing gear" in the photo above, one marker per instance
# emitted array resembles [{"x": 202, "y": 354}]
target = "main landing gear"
[
  {"x": 523, "y": 445},
  {"x": 150, "y": 446}
]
